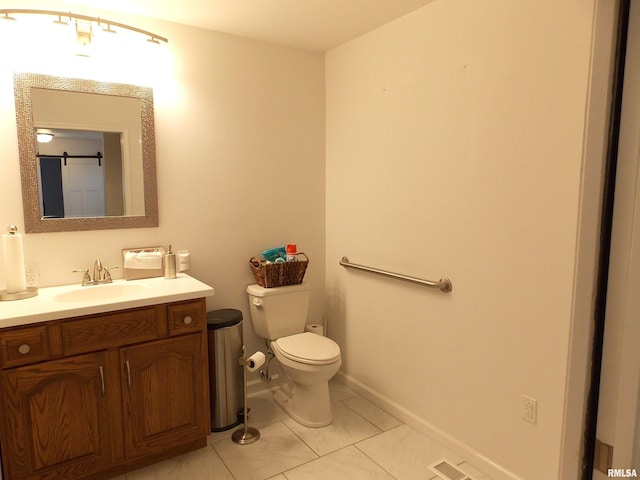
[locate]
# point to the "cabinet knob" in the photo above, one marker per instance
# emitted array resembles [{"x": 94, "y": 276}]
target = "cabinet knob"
[
  {"x": 24, "y": 349},
  {"x": 187, "y": 320}
]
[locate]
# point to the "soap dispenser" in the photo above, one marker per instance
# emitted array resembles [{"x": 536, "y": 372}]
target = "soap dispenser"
[{"x": 169, "y": 264}]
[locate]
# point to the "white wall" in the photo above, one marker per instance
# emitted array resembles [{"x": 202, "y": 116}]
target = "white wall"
[
  {"x": 240, "y": 156},
  {"x": 454, "y": 148}
]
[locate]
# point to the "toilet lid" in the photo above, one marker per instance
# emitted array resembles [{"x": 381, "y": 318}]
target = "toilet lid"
[{"x": 309, "y": 348}]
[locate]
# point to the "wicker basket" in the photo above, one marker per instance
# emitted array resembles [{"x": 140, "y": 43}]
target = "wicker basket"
[{"x": 278, "y": 274}]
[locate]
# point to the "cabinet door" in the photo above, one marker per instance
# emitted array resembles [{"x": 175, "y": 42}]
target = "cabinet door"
[
  {"x": 164, "y": 394},
  {"x": 55, "y": 419}
]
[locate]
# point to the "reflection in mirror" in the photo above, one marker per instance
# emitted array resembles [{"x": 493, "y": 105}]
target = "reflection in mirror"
[
  {"x": 87, "y": 174},
  {"x": 87, "y": 154},
  {"x": 73, "y": 173}
]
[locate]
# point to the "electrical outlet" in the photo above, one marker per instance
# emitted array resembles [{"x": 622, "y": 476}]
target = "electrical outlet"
[
  {"x": 529, "y": 409},
  {"x": 31, "y": 275}
]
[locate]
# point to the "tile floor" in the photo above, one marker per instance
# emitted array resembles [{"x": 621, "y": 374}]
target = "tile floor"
[{"x": 363, "y": 442}]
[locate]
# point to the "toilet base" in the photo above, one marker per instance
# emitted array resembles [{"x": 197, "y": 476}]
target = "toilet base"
[{"x": 310, "y": 407}]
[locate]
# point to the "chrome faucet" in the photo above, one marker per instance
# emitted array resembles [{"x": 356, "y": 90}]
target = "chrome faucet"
[
  {"x": 97, "y": 271},
  {"x": 99, "y": 277}
]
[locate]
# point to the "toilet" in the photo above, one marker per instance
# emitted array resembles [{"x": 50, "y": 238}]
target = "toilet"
[{"x": 309, "y": 361}]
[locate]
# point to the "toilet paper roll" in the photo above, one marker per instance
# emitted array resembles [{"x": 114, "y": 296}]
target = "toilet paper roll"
[
  {"x": 314, "y": 328},
  {"x": 14, "y": 262},
  {"x": 255, "y": 361}
]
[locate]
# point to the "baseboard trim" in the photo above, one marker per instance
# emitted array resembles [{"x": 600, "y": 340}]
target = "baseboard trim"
[{"x": 476, "y": 459}]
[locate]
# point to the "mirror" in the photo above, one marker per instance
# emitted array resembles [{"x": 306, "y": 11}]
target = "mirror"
[{"x": 87, "y": 154}]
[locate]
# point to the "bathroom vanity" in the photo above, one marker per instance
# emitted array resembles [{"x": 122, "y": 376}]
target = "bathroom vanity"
[{"x": 100, "y": 380}]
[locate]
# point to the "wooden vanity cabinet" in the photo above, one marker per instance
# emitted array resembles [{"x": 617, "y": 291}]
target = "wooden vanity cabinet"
[
  {"x": 57, "y": 419},
  {"x": 159, "y": 402},
  {"x": 96, "y": 396}
]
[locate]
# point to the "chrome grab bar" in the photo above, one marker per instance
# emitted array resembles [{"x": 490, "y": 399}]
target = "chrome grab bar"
[{"x": 444, "y": 284}]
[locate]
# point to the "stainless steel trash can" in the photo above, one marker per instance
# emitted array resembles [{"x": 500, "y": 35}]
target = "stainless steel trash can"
[{"x": 224, "y": 336}]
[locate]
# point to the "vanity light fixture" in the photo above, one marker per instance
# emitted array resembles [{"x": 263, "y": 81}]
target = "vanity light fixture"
[
  {"x": 84, "y": 34},
  {"x": 59, "y": 21},
  {"x": 44, "y": 137},
  {"x": 84, "y": 24},
  {"x": 107, "y": 29}
]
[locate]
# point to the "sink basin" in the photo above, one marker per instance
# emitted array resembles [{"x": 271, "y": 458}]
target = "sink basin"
[{"x": 93, "y": 293}]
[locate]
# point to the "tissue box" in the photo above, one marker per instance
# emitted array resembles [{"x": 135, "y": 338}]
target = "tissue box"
[{"x": 142, "y": 262}]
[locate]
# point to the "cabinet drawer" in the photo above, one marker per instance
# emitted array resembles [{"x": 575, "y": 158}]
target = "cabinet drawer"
[
  {"x": 186, "y": 317},
  {"x": 110, "y": 330},
  {"x": 24, "y": 346}
]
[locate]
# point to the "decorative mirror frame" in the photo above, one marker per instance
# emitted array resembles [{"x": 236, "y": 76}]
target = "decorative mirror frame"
[{"x": 34, "y": 223}]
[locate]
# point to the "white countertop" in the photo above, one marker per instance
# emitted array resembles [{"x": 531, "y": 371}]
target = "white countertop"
[{"x": 47, "y": 305}]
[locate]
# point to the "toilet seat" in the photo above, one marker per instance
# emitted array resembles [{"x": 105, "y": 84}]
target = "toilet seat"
[{"x": 308, "y": 348}]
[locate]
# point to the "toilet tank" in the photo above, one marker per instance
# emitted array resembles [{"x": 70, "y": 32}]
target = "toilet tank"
[{"x": 278, "y": 311}]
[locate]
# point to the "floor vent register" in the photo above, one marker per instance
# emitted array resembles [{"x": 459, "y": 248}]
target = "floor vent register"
[{"x": 448, "y": 471}]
